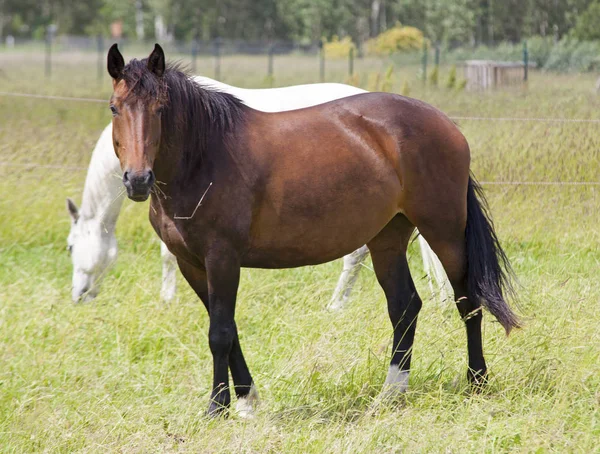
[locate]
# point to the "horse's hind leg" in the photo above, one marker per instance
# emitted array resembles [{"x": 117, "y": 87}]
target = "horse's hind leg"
[
  {"x": 388, "y": 252},
  {"x": 352, "y": 264},
  {"x": 169, "y": 274},
  {"x": 449, "y": 244}
]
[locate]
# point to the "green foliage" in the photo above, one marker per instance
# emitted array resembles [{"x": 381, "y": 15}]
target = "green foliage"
[
  {"x": 574, "y": 56},
  {"x": 587, "y": 27},
  {"x": 373, "y": 81},
  {"x": 434, "y": 76},
  {"x": 451, "y": 82},
  {"x": 388, "y": 79},
  {"x": 448, "y": 22},
  {"x": 405, "y": 88}
]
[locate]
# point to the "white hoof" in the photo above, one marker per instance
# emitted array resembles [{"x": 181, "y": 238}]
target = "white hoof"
[
  {"x": 396, "y": 383},
  {"x": 245, "y": 406}
]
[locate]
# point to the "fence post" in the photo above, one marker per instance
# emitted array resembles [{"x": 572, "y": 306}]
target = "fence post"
[
  {"x": 351, "y": 62},
  {"x": 525, "y": 61},
  {"x": 321, "y": 61},
  {"x": 271, "y": 52},
  {"x": 48, "y": 60},
  {"x": 424, "y": 61},
  {"x": 217, "y": 52},
  {"x": 100, "y": 47},
  {"x": 194, "y": 52}
]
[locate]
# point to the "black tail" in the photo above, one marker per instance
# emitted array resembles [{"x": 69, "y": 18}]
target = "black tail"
[{"x": 489, "y": 274}]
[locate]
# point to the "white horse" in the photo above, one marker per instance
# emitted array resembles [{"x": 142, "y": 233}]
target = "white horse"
[{"x": 92, "y": 242}]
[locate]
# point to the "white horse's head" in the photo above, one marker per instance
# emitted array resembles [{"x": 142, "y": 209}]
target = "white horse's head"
[{"x": 92, "y": 249}]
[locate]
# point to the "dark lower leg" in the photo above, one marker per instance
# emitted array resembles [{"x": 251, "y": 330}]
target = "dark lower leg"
[
  {"x": 220, "y": 338},
  {"x": 472, "y": 316},
  {"x": 240, "y": 373},
  {"x": 388, "y": 251},
  {"x": 242, "y": 380},
  {"x": 452, "y": 254},
  {"x": 403, "y": 310}
]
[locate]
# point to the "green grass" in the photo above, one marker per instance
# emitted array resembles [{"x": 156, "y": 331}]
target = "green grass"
[{"x": 129, "y": 374}]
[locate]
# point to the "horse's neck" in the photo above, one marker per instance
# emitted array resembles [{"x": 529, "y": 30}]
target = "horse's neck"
[{"x": 103, "y": 192}]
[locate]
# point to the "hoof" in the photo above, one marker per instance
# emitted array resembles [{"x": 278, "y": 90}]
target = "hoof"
[
  {"x": 478, "y": 379},
  {"x": 217, "y": 410},
  {"x": 394, "y": 388},
  {"x": 246, "y": 405}
]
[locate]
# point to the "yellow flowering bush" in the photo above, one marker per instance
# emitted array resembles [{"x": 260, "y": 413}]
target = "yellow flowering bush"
[
  {"x": 338, "y": 48},
  {"x": 396, "y": 39}
]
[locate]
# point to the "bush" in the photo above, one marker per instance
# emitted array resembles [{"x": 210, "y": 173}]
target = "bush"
[
  {"x": 539, "y": 48},
  {"x": 570, "y": 55},
  {"x": 396, "y": 39},
  {"x": 338, "y": 48}
]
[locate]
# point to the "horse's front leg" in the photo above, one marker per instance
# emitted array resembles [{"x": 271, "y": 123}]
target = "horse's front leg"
[
  {"x": 223, "y": 273},
  {"x": 247, "y": 396}
]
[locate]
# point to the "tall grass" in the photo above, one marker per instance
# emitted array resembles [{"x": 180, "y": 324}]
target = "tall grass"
[{"x": 129, "y": 374}]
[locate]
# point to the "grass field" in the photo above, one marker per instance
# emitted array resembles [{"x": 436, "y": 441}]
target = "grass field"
[{"x": 126, "y": 373}]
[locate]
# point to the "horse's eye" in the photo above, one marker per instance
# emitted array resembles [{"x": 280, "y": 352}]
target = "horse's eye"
[
  {"x": 70, "y": 248},
  {"x": 113, "y": 109}
]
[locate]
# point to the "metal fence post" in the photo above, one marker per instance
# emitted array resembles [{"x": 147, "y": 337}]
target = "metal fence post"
[
  {"x": 271, "y": 52},
  {"x": 194, "y": 52},
  {"x": 525, "y": 61},
  {"x": 48, "y": 60},
  {"x": 424, "y": 62},
  {"x": 217, "y": 52},
  {"x": 100, "y": 47},
  {"x": 321, "y": 61},
  {"x": 351, "y": 62}
]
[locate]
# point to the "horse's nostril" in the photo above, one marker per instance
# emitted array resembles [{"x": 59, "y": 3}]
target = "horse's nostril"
[
  {"x": 150, "y": 178},
  {"x": 125, "y": 176}
]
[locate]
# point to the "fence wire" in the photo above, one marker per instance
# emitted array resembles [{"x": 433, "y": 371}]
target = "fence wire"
[{"x": 455, "y": 118}]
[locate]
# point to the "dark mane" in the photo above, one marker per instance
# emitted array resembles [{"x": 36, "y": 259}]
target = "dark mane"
[{"x": 194, "y": 117}]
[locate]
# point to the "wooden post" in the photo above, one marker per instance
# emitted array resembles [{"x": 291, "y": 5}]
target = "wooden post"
[{"x": 351, "y": 62}]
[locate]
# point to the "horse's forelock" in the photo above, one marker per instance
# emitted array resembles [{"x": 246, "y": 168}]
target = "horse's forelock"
[{"x": 142, "y": 83}]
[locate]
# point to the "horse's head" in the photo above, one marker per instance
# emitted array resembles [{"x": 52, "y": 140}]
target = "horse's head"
[
  {"x": 139, "y": 96},
  {"x": 92, "y": 250}
]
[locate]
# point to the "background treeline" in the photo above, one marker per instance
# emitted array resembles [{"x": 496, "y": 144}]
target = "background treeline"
[{"x": 449, "y": 22}]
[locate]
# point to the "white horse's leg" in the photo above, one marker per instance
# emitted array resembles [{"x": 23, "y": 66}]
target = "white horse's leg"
[
  {"x": 169, "y": 277},
  {"x": 434, "y": 270},
  {"x": 352, "y": 264}
]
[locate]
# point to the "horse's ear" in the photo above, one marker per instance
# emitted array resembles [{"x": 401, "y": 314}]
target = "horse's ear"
[
  {"x": 156, "y": 61},
  {"x": 115, "y": 62},
  {"x": 73, "y": 210}
]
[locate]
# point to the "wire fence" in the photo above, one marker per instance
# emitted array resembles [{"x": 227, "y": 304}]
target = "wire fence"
[{"x": 35, "y": 165}]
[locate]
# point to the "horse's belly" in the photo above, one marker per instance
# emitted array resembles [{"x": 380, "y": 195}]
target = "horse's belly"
[{"x": 318, "y": 238}]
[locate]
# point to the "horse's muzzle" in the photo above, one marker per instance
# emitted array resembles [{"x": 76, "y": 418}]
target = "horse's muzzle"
[{"x": 138, "y": 184}]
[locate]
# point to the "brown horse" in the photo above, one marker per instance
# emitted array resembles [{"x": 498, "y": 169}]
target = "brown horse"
[{"x": 242, "y": 188}]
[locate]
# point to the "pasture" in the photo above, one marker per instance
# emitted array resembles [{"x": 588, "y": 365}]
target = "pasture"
[{"x": 127, "y": 373}]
